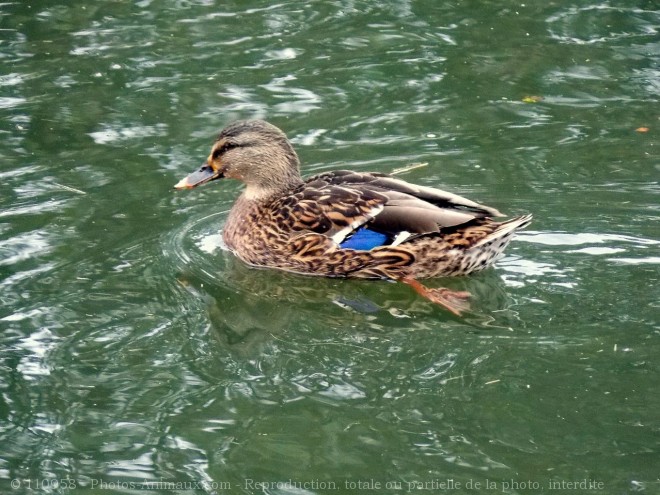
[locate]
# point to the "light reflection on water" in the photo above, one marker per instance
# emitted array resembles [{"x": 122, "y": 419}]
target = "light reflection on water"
[{"x": 587, "y": 24}]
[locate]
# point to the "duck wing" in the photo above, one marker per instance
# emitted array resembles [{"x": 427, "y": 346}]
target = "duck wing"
[
  {"x": 407, "y": 207},
  {"x": 385, "y": 182},
  {"x": 332, "y": 210}
]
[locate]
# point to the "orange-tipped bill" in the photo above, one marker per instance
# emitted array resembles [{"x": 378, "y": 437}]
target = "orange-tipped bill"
[{"x": 204, "y": 174}]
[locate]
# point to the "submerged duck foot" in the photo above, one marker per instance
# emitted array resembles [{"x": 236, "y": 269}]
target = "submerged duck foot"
[{"x": 453, "y": 301}]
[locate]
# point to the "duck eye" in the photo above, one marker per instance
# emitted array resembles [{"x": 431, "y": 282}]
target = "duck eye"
[{"x": 222, "y": 149}]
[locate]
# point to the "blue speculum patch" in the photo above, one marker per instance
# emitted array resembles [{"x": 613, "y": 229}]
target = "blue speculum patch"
[{"x": 364, "y": 239}]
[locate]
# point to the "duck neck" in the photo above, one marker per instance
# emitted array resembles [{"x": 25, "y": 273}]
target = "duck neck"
[{"x": 268, "y": 187}]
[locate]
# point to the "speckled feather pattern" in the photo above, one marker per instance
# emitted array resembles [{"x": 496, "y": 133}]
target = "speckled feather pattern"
[{"x": 293, "y": 233}]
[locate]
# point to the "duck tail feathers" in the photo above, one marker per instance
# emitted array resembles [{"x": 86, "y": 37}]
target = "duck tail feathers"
[{"x": 505, "y": 229}]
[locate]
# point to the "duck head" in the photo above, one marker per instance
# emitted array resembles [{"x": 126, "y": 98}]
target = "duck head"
[{"x": 254, "y": 152}]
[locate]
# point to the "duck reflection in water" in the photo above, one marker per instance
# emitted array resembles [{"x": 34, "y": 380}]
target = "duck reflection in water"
[{"x": 249, "y": 308}]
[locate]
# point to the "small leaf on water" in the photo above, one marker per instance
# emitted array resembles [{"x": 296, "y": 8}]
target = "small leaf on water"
[
  {"x": 532, "y": 99},
  {"x": 642, "y": 129}
]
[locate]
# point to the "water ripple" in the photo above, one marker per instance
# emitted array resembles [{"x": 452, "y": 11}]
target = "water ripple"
[
  {"x": 576, "y": 239},
  {"x": 586, "y": 25},
  {"x": 124, "y": 132},
  {"x": 594, "y": 245},
  {"x": 24, "y": 246},
  {"x": 10, "y": 102}
]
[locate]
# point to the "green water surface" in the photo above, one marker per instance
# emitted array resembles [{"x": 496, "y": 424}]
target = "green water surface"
[{"x": 139, "y": 356}]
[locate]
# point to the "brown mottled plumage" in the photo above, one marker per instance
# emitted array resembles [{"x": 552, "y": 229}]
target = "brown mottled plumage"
[{"x": 281, "y": 221}]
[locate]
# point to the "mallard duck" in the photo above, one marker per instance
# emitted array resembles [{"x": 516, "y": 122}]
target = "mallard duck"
[{"x": 346, "y": 223}]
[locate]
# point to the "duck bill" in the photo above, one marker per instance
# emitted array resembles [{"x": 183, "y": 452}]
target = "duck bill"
[{"x": 204, "y": 174}]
